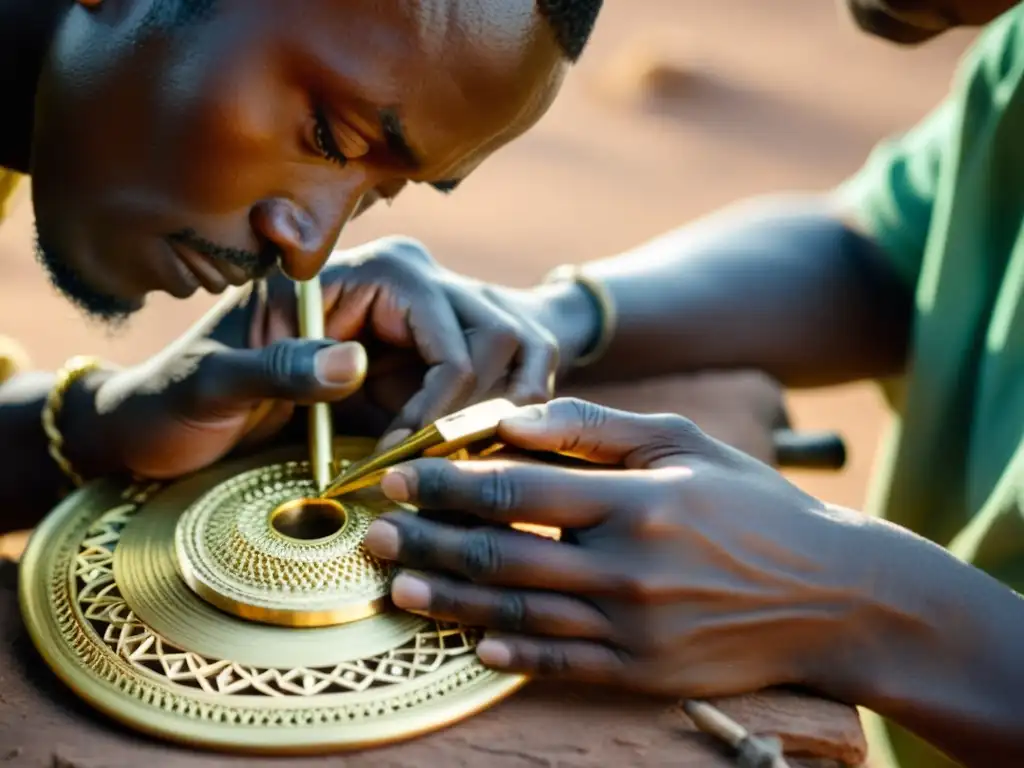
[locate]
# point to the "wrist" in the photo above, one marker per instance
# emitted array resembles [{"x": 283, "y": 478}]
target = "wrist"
[
  {"x": 583, "y": 313},
  {"x": 938, "y": 649},
  {"x": 88, "y": 445},
  {"x": 895, "y": 637},
  {"x": 848, "y": 645},
  {"x": 570, "y": 314}
]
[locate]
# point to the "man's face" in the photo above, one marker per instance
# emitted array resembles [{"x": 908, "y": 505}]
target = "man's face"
[
  {"x": 914, "y": 21},
  {"x": 174, "y": 156}
]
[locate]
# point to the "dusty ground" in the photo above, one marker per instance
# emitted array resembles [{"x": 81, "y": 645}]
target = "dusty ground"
[{"x": 779, "y": 95}]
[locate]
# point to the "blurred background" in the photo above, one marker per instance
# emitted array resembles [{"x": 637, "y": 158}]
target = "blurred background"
[{"x": 676, "y": 109}]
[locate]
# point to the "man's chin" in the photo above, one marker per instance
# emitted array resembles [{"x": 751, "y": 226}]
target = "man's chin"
[
  {"x": 113, "y": 312},
  {"x": 112, "y": 319}
]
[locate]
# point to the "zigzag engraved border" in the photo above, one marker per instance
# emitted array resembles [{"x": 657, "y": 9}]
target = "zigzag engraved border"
[{"x": 119, "y": 671}]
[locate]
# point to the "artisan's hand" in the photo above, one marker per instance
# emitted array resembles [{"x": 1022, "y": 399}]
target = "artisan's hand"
[
  {"x": 740, "y": 408},
  {"x": 686, "y": 567},
  {"x": 169, "y": 417},
  {"x": 436, "y": 341}
]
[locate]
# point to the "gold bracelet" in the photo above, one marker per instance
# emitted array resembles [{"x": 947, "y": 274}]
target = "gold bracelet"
[
  {"x": 73, "y": 370},
  {"x": 605, "y": 302}
]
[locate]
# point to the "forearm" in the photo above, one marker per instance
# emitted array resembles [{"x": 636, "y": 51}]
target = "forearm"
[
  {"x": 31, "y": 483},
  {"x": 937, "y": 649},
  {"x": 777, "y": 285}
]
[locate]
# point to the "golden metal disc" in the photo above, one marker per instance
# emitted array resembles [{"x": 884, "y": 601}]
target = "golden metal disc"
[
  {"x": 107, "y": 607},
  {"x": 261, "y": 546}
]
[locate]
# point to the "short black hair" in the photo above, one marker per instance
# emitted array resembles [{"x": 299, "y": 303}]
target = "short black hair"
[
  {"x": 572, "y": 21},
  {"x": 172, "y": 14}
]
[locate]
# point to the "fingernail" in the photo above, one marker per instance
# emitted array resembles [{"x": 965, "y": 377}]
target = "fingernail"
[
  {"x": 410, "y": 593},
  {"x": 528, "y": 416},
  {"x": 382, "y": 540},
  {"x": 340, "y": 364},
  {"x": 493, "y": 653},
  {"x": 397, "y": 483},
  {"x": 393, "y": 439}
]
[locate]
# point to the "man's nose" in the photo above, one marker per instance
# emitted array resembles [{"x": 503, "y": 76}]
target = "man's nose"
[{"x": 303, "y": 240}]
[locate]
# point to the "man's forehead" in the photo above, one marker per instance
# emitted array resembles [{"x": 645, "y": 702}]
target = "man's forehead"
[
  {"x": 508, "y": 64},
  {"x": 482, "y": 61},
  {"x": 491, "y": 37},
  {"x": 500, "y": 28}
]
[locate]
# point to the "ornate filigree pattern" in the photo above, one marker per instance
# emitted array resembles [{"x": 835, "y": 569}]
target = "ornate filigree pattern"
[
  {"x": 105, "y": 636},
  {"x": 112, "y": 619},
  {"x": 225, "y": 539},
  {"x": 231, "y": 556},
  {"x": 210, "y": 684}
]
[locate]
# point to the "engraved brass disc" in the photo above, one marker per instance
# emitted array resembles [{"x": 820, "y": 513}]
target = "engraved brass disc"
[
  {"x": 259, "y": 546},
  {"x": 106, "y": 605}
]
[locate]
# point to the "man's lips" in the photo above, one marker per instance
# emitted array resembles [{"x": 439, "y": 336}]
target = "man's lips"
[{"x": 206, "y": 273}]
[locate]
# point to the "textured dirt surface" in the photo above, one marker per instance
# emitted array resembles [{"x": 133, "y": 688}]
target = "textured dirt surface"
[{"x": 676, "y": 110}]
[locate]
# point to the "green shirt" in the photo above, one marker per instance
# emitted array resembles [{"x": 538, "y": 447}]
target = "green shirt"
[{"x": 946, "y": 204}]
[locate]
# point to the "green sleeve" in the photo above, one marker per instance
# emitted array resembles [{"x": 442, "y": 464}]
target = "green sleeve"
[
  {"x": 903, "y": 186},
  {"x": 892, "y": 197}
]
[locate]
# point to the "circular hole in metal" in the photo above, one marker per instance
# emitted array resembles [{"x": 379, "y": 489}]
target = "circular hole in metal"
[{"x": 308, "y": 519}]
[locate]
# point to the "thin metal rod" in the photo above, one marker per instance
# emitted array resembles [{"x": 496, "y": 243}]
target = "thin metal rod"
[{"x": 311, "y": 326}]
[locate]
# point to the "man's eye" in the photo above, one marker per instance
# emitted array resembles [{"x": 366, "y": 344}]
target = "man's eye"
[{"x": 324, "y": 139}]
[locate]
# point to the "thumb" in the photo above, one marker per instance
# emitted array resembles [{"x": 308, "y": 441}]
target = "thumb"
[
  {"x": 594, "y": 433},
  {"x": 297, "y": 370}
]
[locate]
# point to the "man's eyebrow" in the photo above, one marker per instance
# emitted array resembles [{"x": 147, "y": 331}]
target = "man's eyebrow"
[
  {"x": 398, "y": 144},
  {"x": 446, "y": 186},
  {"x": 395, "y": 139}
]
